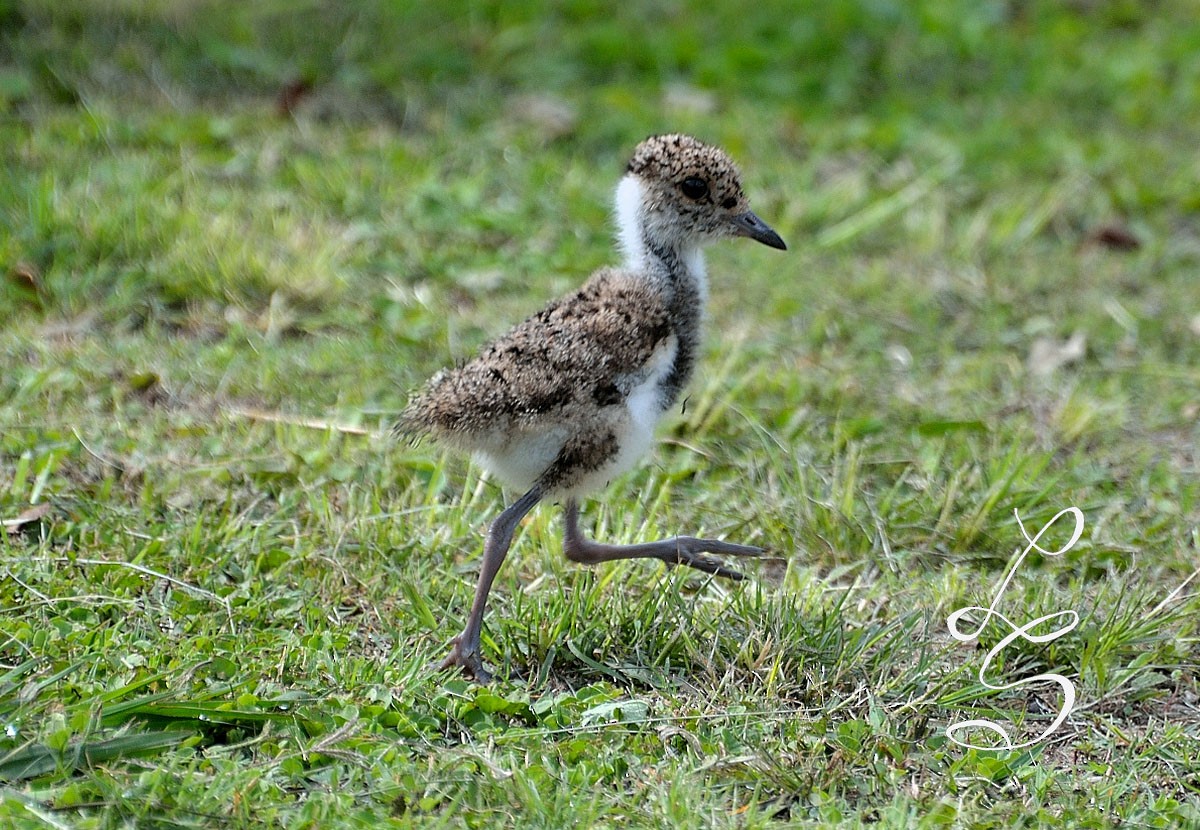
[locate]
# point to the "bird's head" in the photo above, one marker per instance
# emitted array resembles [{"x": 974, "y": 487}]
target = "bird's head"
[{"x": 680, "y": 193}]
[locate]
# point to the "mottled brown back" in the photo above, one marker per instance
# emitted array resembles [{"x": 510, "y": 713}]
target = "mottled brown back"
[{"x": 581, "y": 352}]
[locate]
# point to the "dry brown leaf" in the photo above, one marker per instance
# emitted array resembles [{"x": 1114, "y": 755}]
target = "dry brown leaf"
[
  {"x": 1113, "y": 236},
  {"x": 26, "y": 276},
  {"x": 291, "y": 95},
  {"x": 29, "y": 515}
]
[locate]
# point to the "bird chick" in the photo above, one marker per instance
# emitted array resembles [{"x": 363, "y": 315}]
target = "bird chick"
[{"x": 570, "y": 397}]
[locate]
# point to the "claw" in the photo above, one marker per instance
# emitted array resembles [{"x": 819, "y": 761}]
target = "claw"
[
  {"x": 712, "y": 566},
  {"x": 466, "y": 659}
]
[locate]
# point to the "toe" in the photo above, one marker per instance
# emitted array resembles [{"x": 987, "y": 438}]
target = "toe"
[
  {"x": 729, "y": 549},
  {"x": 712, "y": 566},
  {"x": 720, "y": 548},
  {"x": 468, "y": 661}
]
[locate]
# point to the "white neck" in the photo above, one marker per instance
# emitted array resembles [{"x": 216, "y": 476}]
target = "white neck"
[
  {"x": 632, "y": 233},
  {"x": 629, "y": 223}
]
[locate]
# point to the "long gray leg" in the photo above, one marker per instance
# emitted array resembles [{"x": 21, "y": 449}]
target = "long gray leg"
[
  {"x": 464, "y": 652},
  {"x": 682, "y": 550}
]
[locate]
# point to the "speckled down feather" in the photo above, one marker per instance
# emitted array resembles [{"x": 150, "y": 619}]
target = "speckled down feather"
[{"x": 580, "y": 352}]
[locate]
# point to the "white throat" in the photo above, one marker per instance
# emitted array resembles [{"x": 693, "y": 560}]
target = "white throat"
[{"x": 631, "y": 235}]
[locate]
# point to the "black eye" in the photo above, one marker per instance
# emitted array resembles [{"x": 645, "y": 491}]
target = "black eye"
[
  {"x": 694, "y": 188},
  {"x": 729, "y": 203}
]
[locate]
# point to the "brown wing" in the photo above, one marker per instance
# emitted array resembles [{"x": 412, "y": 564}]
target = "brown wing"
[{"x": 584, "y": 349}]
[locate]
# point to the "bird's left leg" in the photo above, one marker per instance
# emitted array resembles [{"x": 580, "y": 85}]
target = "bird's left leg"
[{"x": 464, "y": 652}]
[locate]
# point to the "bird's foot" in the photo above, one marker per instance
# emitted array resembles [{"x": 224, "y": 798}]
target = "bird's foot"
[
  {"x": 690, "y": 551},
  {"x": 466, "y": 658}
]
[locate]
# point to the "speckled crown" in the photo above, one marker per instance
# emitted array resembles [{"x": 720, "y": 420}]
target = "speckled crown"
[{"x": 674, "y": 157}]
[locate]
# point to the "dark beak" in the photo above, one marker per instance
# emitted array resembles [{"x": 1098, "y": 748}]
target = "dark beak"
[{"x": 747, "y": 224}]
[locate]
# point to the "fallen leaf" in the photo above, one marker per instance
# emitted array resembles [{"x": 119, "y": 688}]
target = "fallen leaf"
[
  {"x": 147, "y": 385},
  {"x": 899, "y": 355},
  {"x": 1113, "y": 236},
  {"x": 1049, "y": 354},
  {"x": 27, "y": 516},
  {"x": 291, "y": 95},
  {"x": 26, "y": 276},
  {"x": 143, "y": 381}
]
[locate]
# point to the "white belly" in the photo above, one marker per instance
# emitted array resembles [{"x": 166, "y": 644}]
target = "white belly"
[{"x": 521, "y": 460}]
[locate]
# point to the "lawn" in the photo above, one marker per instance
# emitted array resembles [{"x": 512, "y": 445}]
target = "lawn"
[{"x": 233, "y": 237}]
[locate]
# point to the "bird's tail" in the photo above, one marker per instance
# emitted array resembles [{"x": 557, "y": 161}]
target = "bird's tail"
[{"x": 410, "y": 426}]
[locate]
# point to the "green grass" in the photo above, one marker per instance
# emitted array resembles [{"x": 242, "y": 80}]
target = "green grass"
[{"x": 223, "y": 603}]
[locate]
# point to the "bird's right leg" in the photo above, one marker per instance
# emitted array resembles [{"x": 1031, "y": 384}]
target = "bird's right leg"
[
  {"x": 682, "y": 550},
  {"x": 464, "y": 651}
]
